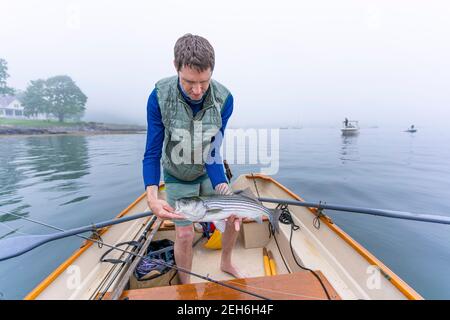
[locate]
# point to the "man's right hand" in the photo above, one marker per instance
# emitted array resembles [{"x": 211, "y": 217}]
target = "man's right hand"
[
  {"x": 159, "y": 207},
  {"x": 163, "y": 210}
]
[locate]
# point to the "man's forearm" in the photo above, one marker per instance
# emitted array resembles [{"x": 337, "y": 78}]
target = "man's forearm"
[{"x": 152, "y": 192}]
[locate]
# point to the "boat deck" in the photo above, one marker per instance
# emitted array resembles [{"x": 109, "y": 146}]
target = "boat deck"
[
  {"x": 248, "y": 260},
  {"x": 294, "y": 286},
  {"x": 298, "y": 285}
]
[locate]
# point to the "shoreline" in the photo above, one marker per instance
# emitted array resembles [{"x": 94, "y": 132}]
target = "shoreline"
[
  {"x": 14, "y": 130},
  {"x": 74, "y": 133}
]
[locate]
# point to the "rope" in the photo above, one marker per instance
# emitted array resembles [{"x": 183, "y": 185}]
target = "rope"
[
  {"x": 316, "y": 221},
  {"x": 286, "y": 218},
  {"x": 96, "y": 236}
]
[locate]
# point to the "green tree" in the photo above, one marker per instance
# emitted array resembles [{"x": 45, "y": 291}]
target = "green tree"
[
  {"x": 34, "y": 98},
  {"x": 58, "y": 96},
  {"x": 65, "y": 99},
  {"x": 4, "y": 89}
]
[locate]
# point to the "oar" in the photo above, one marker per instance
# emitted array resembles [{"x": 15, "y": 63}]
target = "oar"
[
  {"x": 376, "y": 212},
  {"x": 31, "y": 242},
  {"x": 15, "y": 246}
]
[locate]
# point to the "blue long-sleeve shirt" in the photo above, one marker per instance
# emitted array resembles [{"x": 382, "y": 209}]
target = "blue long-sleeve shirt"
[{"x": 155, "y": 138}]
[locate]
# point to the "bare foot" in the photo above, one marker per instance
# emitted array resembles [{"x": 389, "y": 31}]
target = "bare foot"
[{"x": 232, "y": 270}]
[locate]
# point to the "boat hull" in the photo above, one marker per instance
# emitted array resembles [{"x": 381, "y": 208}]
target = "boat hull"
[{"x": 350, "y": 269}]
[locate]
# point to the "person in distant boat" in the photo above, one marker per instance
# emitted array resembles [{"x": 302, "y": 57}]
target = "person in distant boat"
[
  {"x": 412, "y": 127},
  {"x": 178, "y": 109},
  {"x": 346, "y": 122}
]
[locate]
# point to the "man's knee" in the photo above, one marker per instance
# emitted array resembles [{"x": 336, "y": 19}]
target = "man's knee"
[{"x": 184, "y": 235}]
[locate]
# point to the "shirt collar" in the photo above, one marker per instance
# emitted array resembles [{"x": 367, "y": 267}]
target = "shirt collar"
[{"x": 186, "y": 96}]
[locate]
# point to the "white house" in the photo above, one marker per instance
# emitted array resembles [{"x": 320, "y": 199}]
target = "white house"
[{"x": 11, "y": 108}]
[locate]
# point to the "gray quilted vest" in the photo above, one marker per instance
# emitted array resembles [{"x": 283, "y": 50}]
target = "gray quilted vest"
[{"x": 187, "y": 139}]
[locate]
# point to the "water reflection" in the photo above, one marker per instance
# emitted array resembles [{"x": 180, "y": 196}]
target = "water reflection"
[
  {"x": 410, "y": 152},
  {"x": 349, "y": 148},
  {"x": 49, "y": 163},
  {"x": 10, "y": 176},
  {"x": 62, "y": 158}
]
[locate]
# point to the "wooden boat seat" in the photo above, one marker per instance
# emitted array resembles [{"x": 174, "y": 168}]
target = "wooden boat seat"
[{"x": 294, "y": 286}]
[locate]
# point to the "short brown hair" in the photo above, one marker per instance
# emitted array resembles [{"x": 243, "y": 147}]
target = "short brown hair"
[{"x": 194, "y": 52}]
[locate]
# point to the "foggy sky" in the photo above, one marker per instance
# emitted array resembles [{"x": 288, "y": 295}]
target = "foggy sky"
[{"x": 286, "y": 62}]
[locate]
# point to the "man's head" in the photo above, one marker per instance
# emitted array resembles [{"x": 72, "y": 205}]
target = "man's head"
[{"x": 194, "y": 62}]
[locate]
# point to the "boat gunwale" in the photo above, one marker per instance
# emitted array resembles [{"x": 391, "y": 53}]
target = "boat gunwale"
[{"x": 87, "y": 244}]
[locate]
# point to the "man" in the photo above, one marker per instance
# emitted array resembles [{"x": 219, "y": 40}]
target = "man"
[{"x": 189, "y": 110}]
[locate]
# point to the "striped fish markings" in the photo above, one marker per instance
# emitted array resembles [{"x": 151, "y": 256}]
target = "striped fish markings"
[{"x": 217, "y": 208}]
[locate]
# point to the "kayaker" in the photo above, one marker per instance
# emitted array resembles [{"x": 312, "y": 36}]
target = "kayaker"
[{"x": 190, "y": 104}]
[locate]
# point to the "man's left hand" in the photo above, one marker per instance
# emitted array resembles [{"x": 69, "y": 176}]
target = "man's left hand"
[
  {"x": 233, "y": 219},
  {"x": 224, "y": 189}
]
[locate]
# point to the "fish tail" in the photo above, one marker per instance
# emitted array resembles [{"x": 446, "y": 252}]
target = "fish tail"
[{"x": 275, "y": 218}]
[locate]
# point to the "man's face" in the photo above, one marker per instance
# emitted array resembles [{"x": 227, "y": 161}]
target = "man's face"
[{"x": 194, "y": 83}]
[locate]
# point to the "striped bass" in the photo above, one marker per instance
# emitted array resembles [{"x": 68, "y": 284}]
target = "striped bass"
[{"x": 217, "y": 208}]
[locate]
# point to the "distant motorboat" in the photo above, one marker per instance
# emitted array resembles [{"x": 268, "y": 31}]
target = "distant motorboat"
[
  {"x": 411, "y": 129},
  {"x": 350, "y": 127}
]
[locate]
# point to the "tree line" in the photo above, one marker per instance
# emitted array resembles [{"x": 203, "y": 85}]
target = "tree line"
[{"x": 57, "y": 96}]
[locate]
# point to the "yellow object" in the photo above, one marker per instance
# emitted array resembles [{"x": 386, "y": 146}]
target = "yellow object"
[
  {"x": 273, "y": 268},
  {"x": 267, "y": 266},
  {"x": 266, "y": 263},
  {"x": 215, "y": 241}
]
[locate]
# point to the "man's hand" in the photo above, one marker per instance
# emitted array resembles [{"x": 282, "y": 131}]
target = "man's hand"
[
  {"x": 163, "y": 210},
  {"x": 224, "y": 189},
  {"x": 234, "y": 220},
  {"x": 159, "y": 207}
]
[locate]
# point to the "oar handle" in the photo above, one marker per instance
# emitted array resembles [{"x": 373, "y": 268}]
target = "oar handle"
[{"x": 376, "y": 212}]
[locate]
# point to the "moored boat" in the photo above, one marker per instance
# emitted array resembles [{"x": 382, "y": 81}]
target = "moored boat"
[
  {"x": 345, "y": 268},
  {"x": 350, "y": 127}
]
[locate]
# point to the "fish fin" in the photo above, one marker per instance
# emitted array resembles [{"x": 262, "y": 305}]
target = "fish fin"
[
  {"x": 248, "y": 193},
  {"x": 275, "y": 218},
  {"x": 220, "y": 225}
]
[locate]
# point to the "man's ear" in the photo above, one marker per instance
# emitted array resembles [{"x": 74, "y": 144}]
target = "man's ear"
[{"x": 175, "y": 65}]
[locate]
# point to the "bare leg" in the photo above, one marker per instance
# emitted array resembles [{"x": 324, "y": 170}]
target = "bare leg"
[
  {"x": 229, "y": 238},
  {"x": 183, "y": 250}
]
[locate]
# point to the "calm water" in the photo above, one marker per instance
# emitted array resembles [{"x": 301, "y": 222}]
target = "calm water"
[{"x": 70, "y": 181}]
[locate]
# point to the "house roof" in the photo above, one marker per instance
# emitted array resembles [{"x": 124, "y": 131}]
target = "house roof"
[{"x": 5, "y": 100}]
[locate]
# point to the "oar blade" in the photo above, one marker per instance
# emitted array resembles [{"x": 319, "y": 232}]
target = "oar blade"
[{"x": 15, "y": 246}]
